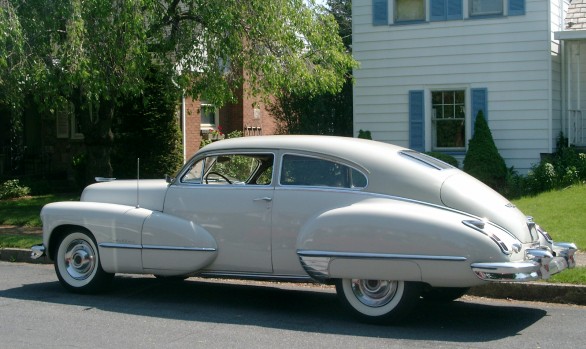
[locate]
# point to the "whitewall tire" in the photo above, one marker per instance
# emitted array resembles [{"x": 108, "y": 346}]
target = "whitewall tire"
[
  {"x": 77, "y": 263},
  {"x": 378, "y": 301}
]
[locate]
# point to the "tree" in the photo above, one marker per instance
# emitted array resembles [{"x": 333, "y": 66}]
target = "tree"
[
  {"x": 325, "y": 113},
  {"x": 483, "y": 160},
  {"x": 149, "y": 118},
  {"x": 94, "y": 53}
]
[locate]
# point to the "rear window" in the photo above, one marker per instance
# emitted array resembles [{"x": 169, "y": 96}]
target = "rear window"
[
  {"x": 311, "y": 171},
  {"x": 425, "y": 160}
]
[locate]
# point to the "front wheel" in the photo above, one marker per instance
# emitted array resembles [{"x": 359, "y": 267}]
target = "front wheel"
[
  {"x": 378, "y": 301},
  {"x": 77, "y": 263}
]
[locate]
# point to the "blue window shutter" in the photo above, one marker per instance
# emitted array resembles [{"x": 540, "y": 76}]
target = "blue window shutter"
[
  {"x": 380, "y": 12},
  {"x": 454, "y": 9},
  {"x": 416, "y": 121},
  {"x": 437, "y": 10},
  {"x": 516, "y": 7},
  {"x": 479, "y": 102}
]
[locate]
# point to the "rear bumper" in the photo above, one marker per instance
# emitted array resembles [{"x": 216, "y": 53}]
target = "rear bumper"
[{"x": 538, "y": 264}]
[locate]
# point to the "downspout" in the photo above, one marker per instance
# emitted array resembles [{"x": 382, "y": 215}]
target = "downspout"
[{"x": 183, "y": 127}]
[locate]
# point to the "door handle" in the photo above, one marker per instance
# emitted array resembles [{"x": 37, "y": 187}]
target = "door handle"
[{"x": 266, "y": 198}]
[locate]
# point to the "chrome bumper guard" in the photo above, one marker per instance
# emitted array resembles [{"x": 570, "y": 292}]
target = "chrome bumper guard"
[
  {"x": 37, "y": 251},
  {"x": 538, "y": 264}
]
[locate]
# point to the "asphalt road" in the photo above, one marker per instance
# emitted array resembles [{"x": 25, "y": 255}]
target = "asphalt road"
[{"x": 140, "y": 311}]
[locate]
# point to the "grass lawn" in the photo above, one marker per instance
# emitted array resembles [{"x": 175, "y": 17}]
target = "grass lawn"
[
  {"x": 562, "y": 213},
  {"x": 25, "y": 211}
]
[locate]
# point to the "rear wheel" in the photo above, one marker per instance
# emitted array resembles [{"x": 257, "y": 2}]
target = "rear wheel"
[
  {"x": 378, "y": 301},
  {"x": 77, "y": 263}
]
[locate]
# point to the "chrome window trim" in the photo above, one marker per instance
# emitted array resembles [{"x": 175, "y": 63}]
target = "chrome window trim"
[
  {"x": 179, "y": 179},
  {"x": 325, "y": 157},
  {"x": 421, "y": 159}
]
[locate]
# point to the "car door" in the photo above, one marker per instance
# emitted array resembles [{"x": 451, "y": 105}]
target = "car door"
[
  {"x": 230, "y": 196},
  {"x": 308, "y": 186}
]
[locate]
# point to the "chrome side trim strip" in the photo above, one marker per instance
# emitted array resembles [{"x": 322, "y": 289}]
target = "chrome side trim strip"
[
  {"x": 332, "y": 254},
  {"x": 116, "y": 245},
  {"x": 317, "y": 263},
  {"x": 154, "y": 247},
  {"x": 177, "y": 248}
]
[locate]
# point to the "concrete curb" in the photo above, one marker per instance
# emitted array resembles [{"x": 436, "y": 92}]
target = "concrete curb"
[
  {"x": 532, "y": 291},
  {"x": 21, "y": 256}
]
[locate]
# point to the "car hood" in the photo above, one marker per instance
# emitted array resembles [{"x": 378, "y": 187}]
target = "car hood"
[
  {"x": 466, "y": 193},
  {"x": 148, "y": 193}
]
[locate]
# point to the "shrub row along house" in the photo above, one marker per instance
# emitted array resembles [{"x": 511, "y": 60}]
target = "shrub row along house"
[{"x": 428, "y": 66}]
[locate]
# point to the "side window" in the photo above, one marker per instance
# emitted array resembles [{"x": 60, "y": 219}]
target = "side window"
[
  {"x": 194, "y": 174},
  {"x": 227, "y": 169},
  {"x": 309, "y": 171}
]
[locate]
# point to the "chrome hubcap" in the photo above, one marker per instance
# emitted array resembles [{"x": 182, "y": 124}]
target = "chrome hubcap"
[
  {"x": 374, "y": 293},
  {"x": 80, "y": 259}
]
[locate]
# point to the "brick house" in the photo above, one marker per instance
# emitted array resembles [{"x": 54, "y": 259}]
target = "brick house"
[{"x": 198, "y": 118}]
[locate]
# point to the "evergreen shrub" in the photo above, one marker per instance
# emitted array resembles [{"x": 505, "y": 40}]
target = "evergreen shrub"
[{"x": 483, "y": 160}]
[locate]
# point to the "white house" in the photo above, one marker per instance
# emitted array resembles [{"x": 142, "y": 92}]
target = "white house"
[{"x": 427, "y": 67}]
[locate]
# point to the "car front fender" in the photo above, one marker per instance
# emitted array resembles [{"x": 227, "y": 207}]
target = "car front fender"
[{"x": 131, "y": 239}]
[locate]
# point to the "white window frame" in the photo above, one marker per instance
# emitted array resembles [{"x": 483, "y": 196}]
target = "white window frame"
[
  {"x": 429, "y": 133},
  {"x": 207, "y": 126},
  {"x": 393, "y": 10},
  {"x": 503, "y": 11}
]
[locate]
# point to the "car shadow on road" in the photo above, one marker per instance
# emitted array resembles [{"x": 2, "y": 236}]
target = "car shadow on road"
[{"x": 284, "y": 306}]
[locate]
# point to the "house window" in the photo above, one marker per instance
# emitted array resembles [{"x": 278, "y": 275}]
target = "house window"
[
  {"x": 209, "y": 115},
  {"x": 448, "y": 119},
  {"x": 486, "y": 7},
  {"x": 409, "y": 10}
]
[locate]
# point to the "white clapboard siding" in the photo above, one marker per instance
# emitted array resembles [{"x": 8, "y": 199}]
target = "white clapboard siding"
[{"x": 514, "y": 58}]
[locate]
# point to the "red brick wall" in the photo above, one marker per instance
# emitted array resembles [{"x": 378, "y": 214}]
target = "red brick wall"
[
  {"x": 242, "y": 116},
  {"x": 192, "y": 127}
]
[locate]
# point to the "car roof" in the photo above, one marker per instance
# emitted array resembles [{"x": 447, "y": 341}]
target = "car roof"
[{"x": 353, "y": 149}]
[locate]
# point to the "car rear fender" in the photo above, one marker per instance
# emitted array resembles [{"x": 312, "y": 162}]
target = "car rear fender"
[{"x": 389, "y": 239}]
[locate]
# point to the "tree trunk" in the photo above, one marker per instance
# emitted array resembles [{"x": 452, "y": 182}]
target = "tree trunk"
[{"x": 97, "y": 130}]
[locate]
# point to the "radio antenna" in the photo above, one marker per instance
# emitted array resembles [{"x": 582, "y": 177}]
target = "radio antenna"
[{"x": 137, "y": 182}]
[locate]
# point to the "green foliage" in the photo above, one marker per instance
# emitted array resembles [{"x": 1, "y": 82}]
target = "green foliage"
[
  {"x": 444, "y": 157},
  {"x": 94, "y": 54},
  {"x": 149, "y": 130},
  {"x": 12, "y": 189},
  {"x": 483, "y": 160},
  {"x": 364, "y": 134},
  {"x": 565, "y": 167},
  {"x": 326, "y": 113}
]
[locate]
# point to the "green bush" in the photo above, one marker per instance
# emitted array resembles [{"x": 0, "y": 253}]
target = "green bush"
[
  {"x": 563, "y": 168},
  {"x": 483, "y": 160},
  {"x": 444, "y": 157},
  {"x": 12, "y": 189},
  {"x": 364, "y": 134}
]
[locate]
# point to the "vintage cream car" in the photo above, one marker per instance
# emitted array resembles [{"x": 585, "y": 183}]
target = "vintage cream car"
[{"x": 385, "y": 224}]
